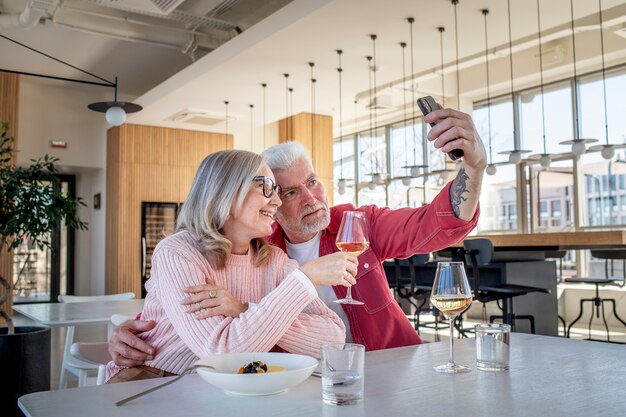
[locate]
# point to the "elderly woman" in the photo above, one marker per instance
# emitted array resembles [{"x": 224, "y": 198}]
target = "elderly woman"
[{"x": 219, "y": 241}]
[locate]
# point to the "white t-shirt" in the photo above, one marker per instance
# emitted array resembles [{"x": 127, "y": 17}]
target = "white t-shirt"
[{"x": 306, "y": 252}]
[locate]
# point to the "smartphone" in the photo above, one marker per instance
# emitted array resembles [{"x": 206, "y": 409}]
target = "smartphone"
[{"x": 428, "y": 104}]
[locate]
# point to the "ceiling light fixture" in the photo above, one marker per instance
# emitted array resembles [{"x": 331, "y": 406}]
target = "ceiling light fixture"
[
  {"x": 456, "y": 42},
  {"x": 415, "y": 169},
  {"x": 607, "y": 150},
  {"x": 341, "y": 182},
  {"x": 251, "y": 124},
  {"x": 288, "y": 134},
  {"x": 371, "y": 184},
  {"x": 578, "y": 145},
  {"x": 377, "y": 177},
  {"x": 406, "y": 179},
  {"x": 444, "y": 174},
  {"x": 491, "y": 168},
  {"x": 313, "y": 116},
  {"x": 226, "y": 118},
  {"x": 515, "y": 156},
  {"x": 115, "y": 111},
  {"x": 544, "y": 158},
  {"x": 264, "y": 85}
]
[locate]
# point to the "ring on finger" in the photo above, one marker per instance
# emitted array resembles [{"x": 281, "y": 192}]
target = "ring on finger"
[{"x": 212, "y": 293}]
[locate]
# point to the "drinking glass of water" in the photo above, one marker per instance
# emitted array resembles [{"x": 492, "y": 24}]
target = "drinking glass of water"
[{"x": 342, "y": 373}]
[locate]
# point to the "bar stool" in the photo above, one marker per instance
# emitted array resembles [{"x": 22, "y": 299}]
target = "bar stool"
[
  {"x": 479, "y": 252},
  {"x": 609, "y": 255}
]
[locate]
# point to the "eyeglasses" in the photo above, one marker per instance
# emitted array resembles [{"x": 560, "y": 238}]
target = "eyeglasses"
[{"x": 269, "y": 187}]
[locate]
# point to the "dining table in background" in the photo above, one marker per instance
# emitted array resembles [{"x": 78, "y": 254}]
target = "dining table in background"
[
  {"x": 556, "y": 240},
  {"x": 549, "y": 376},
  {"x": 58, "y": 315},
  {"x": 78, "y": 314}
]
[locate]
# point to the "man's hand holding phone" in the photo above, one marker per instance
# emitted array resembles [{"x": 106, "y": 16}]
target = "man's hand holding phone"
[{"x": 454, "y": 132}]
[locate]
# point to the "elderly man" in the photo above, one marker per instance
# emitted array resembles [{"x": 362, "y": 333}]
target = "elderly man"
[{"x": 306, "y": 228}]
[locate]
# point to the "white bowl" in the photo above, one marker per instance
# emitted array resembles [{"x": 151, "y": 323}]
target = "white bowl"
[{"x": 226, "y": 376}]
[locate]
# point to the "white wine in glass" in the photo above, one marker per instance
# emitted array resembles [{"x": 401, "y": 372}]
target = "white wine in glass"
[
  {"x": 452, "y": 295},
  {"x": 352, "y": 238}
]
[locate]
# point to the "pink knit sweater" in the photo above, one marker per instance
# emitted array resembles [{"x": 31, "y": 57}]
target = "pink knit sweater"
[{"x": 282, "y": 311}]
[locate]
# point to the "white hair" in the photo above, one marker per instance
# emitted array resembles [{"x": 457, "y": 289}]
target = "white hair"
[
  {"x": 285, "y": 155},
  {"x": 222, "y": 181}
]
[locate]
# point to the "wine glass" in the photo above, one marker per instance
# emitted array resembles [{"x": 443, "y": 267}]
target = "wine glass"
[
  {"x": 352, "y": 238},
  {"x": 452, "y": 295}
]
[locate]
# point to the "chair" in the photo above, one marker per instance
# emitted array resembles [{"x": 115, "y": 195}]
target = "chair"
[
  {"x": 559, "y": 255},
  {"x": 417, "y": 294},
  {"x": 97, "y": 353},
  {"x": 609, "y": 255},
  {"x": 72, "y": 364},
  {"x": 479, "y": 252}
]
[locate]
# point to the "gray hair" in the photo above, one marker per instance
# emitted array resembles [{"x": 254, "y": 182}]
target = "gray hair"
[
  {"x": 284, "y": 155},
  {"x": 223, "y": 178}
]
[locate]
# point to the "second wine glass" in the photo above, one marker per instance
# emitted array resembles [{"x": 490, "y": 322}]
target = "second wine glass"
[
  {"x": 353, "y": 238},
  {"x": 452, "y": 295}
]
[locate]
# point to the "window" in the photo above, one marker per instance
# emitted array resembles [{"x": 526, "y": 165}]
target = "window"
[
  {"x": 344, "y": 167},
  {"x": 372, "y": 151},
  {"x": 501, "y": 127},
  {"x": 499, "y": 191},
  {"x": 604, "y": 182},
  {"x": 558, "y": 119},
  {"x": 543, "y": 209}
]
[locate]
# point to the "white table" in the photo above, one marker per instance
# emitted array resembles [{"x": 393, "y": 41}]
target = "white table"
[
  {"x": 549, "y": 376},
  {"x": 78, "y": 314},
  {"x": 58, "y": 315}
]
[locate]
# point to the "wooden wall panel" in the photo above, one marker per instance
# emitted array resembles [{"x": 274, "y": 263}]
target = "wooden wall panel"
[
  {"x": 152, "y": 164},
  {"x": 315, "y": 132},
  {"x": 9, "y": 93}
]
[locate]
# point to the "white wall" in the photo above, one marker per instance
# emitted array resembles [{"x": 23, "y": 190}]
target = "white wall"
[{"x": 50, "y": 110}]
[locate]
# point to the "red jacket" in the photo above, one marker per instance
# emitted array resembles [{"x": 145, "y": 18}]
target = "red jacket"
[{"x": 381, "y": 323}]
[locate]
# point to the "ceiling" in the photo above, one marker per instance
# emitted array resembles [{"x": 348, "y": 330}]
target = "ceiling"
[
  {"x": 242, "y": 44},
  {"x": 128, "y": 39}
]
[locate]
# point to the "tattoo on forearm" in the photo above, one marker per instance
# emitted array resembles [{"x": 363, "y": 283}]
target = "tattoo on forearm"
[{"x": 458, "y": 188}]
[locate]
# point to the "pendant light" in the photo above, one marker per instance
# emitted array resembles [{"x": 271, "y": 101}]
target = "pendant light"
[
  {"x": 491, "y": 168},
  {"x": 578, "y": 145},
  {"x": 444, "y": 174},
  {"x": 544, "y": 158},
  {"x": 459, "y": 162},
  {"x": 251, "y": 123},
  {"x": 264, "y": 85},
  {"x": 226, "y": 118},
  {"x": 406, "y": 179},
  {"x": 313, "y": 115},
  {"x": 377, "y": 176},
  {"x": 341, "y": 182},
  {"x": 415, "y": 169},
  {"x": 288, "y": 135},
  {"x": 114, "y": 111},
  {"x": 607, "y": 150},
  {"x": 371, "y": 184},
  {"x": 515, "y": 155}
]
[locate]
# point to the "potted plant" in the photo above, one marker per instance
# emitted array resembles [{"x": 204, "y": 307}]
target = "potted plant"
[{"x": 30, "y": 208}]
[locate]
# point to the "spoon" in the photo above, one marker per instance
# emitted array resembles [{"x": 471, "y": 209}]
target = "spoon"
[{"x": 148, "y": 391}]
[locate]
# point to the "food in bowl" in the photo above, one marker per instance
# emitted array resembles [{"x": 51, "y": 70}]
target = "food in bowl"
[{"x": 258, "y": 367}]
